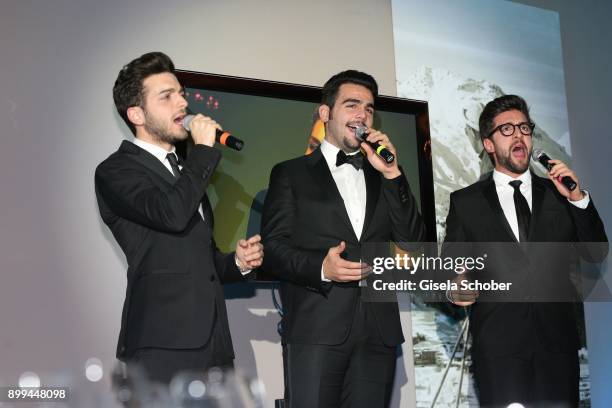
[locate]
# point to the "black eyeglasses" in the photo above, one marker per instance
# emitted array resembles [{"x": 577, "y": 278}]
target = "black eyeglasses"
[{"x": 508, "y": 129}]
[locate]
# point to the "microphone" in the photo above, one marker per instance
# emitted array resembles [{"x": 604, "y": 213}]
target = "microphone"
[
  {"x": 221, "y": 136},
  {"x": 380, "y": 149},
  {"x": 543, "y": 158}
]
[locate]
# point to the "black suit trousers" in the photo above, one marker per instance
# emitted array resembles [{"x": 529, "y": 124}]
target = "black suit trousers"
[
  {"x": 162, "y": 364},
  {"x": 533, "y": 377},
  {"x": 359, "y": 372}
]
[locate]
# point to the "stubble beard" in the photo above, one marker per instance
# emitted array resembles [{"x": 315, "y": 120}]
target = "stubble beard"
[
  {"x": 350, "y": 145},
  {"x": 160, "y": 132},
  {"x": 506, "y": 161},
  {"x": 347, "y": 144}
]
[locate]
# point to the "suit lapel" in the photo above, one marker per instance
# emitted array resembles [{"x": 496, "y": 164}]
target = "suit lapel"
[
  {"x": 323, "y": 178},
  {"x": 372, "y": 182},
  {"x": 152, "y": 163},
  {"x": 492, "y": 198},
  {"x": 148, "y": 160}
]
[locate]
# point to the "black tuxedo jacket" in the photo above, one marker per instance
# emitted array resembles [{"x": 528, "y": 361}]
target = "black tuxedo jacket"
[
  {"x": 174, "y": 271},
  {"x": 540, "y": 302},
  {"x": 304, "y": 215}
]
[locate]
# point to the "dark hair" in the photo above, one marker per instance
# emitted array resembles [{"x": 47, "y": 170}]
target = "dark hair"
[
  {"x": 351, "y": 76},
  {"x": 495, "y": 107},
  {"x": 128, "y": 90}
]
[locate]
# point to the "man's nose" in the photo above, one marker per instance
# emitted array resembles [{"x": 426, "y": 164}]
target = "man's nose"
[
  {"x": 361, "y": 112},
  {"x": 182, "y": 103}
]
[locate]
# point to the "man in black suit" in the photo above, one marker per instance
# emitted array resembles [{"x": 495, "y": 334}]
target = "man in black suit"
[
  {"x": 174, "y": 315},
  {"x": 525, "y": 341},
  {"x": 319, "y": 213}
]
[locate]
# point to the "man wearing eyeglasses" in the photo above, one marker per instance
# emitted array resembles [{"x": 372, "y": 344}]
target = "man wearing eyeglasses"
[{"x": 524, "y": 350}]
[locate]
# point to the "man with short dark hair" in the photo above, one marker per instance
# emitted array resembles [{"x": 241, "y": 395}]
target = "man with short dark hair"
[
  {"x": 319, "y": 213},
  {"x": 524, "y": 348},
  {"x": 174, "y": 315}
]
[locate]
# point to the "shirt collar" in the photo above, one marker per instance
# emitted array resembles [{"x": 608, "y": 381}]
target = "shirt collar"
[
  {"x": 330, "y": 152},
  {"x": 155, "y": 150},
  {"x": 502, "y": 179}
]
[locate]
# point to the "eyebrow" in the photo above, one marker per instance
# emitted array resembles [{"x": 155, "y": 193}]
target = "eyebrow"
[
  {"x": 181, "y": 89},
  {"x": 354, "y": 100}
]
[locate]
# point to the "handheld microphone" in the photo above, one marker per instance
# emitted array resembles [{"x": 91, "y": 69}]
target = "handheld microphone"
[
  {"x": 380, "y": 149},
  {"x": 540, "y": 156},
  {"x": 221, "y": 136}
]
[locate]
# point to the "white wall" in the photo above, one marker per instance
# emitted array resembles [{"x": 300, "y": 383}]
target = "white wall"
[{"x": 63, "y": 276}]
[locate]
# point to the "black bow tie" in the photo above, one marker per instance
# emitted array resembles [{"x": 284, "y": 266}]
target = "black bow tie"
[{"x": 356, "y": 160}]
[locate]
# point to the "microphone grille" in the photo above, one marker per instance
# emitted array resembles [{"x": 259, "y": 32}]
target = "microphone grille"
[
  {"x": 361, "y": 132},
  {"x": 187, "y": 121},
  {"x": 537, "y": 153}
]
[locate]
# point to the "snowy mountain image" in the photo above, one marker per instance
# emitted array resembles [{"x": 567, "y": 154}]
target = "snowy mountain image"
[{"x": 455, "y": 103}]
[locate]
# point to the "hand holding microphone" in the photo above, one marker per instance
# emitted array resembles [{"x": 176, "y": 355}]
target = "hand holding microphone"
[
  {"x": 202, "y": 128},
  {"x": 380, "y": 152},
  {"x": 541, "y": 157},
  {"x": 562, "y": 176},
  {"x": 361, "y": 133},
  {"x": 206, "y": 131}
]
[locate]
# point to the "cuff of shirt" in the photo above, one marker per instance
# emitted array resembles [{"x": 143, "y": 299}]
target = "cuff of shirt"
[
  {"x": 583, "y": 202},
  {"x": 323, "y": 278},
  {"x": 243, "y": 272},
  {"x": 449, "y": 296}
]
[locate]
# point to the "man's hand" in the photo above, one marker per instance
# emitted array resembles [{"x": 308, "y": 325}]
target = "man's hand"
[
  {"x": 249, "y": 253},
  {"x": 462, "y": 297},
  {"x": 557, "y": 172},
  {"x": 203, "y": 130},
  {"x": 340, "y": 270},
  {"x": 389, "y": 170}
]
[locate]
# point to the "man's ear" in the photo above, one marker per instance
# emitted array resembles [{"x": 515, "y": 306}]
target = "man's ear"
[
  {"x": 324, "y": 113},
  {"x": 488, "y": 145},
  {"x": 136, "y": 115}
]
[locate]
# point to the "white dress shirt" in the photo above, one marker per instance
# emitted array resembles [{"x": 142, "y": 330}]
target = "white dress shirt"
[
  {"x": 505, "y": 194},
  {"x": 351, "y": 185},
  {"x": 156, "y": 151}
]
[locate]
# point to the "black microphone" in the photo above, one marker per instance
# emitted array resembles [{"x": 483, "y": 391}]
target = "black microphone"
[
  {"x": 221, "y": 136},
  {"x": 361, "y": 132},
  {"x": 543, "y": 158}
]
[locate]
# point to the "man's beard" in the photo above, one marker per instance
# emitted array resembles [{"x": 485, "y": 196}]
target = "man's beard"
[
  {"x": 505, "y": 160},
  {"x": 160, "y": 132},
  {"x": 350, "y": 145}
]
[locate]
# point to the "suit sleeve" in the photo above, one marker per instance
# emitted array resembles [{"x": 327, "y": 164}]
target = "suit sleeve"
[
  {"x": 591, "y": 235},
  {"x": 226, "y": 267},
  {"x": 455, "y": 240},
  {"x": 454, "y": 226},
  {"x": 129, "y": 191},
  {"x": 406, "y": 222},
  {"x": 282, "y": 258}
]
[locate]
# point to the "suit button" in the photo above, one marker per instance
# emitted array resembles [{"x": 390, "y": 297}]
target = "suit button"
[{"x": 212, "y": 278}]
